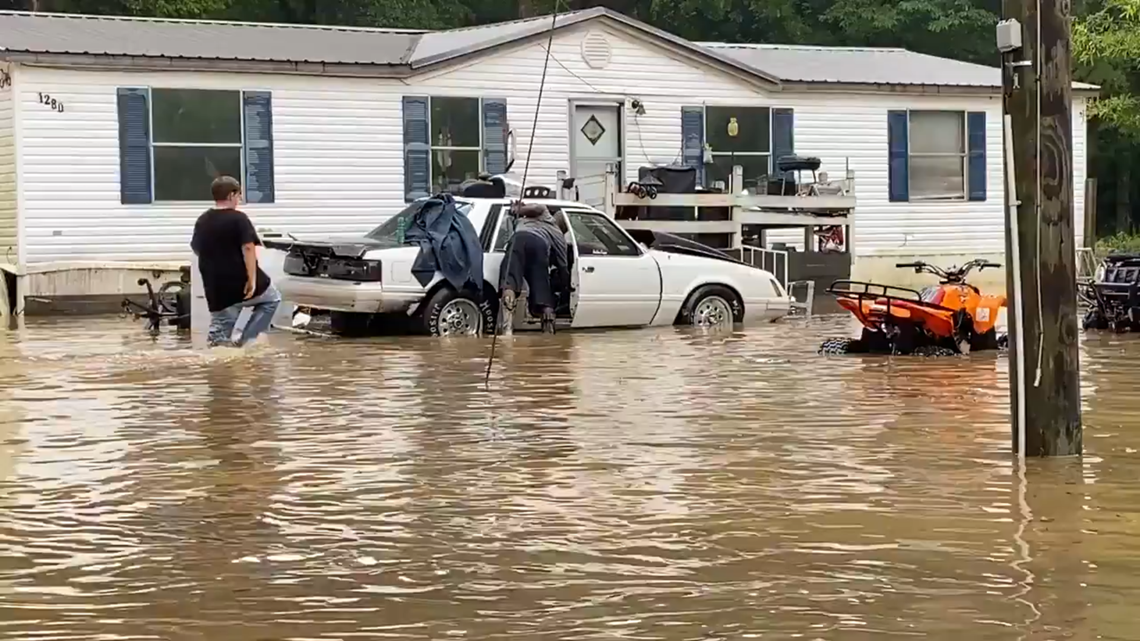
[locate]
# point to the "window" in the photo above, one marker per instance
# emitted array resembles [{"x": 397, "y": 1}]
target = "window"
[
  {"x": 391, "y": 231},
  {"x": 449, "y": 140},
  {"x": 938, "y": 156},
  {"x": 197, "y": 136},
  {"x": 174, "y": 142},
  {"x": 597, "y": 235},
  {"x": 739, "y": 136},
  {"x": 456, "y": 141}
]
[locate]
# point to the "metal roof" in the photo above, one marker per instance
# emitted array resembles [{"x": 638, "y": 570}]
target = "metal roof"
[
  {"x": 202, "y": 40},
  {"x": 438, "y": 45},
  {"x": 870, "y": 66},
  {"x": 406, "y": 49}
]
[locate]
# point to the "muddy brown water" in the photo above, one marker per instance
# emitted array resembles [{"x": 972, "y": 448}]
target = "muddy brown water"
[{"x": 657, "y": 484}]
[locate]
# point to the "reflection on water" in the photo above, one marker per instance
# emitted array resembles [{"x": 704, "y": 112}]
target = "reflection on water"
[{"x": 657, "y": 484}]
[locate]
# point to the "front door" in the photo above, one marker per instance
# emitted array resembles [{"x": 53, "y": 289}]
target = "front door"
[
  {"x": 619, "y": 284},
  {"x": 596, "y": 142}
]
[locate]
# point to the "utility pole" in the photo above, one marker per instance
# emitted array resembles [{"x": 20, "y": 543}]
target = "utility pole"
[{"x": 1041, "y": 272}]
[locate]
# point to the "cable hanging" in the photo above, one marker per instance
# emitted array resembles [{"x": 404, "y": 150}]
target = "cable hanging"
[{"x": 526, "y": 172}]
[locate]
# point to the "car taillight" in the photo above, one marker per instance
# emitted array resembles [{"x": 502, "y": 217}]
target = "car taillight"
[{"x": 295, "y": 265}]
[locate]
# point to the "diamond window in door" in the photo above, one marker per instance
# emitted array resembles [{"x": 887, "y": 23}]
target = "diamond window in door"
[{"x": 593, "y": 130}]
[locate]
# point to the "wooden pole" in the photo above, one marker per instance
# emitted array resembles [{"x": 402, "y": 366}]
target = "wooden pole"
[{"x": 1044, "y": 367}]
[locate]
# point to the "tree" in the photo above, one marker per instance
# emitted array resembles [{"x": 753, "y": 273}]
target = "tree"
[{"x": 1106, "y": 52}]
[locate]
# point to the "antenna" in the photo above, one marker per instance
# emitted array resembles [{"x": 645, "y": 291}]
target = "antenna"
[{"x": 526, "y": 169}]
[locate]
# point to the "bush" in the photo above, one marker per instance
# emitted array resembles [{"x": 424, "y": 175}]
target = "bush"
[{"x": 1118, "y": 242}]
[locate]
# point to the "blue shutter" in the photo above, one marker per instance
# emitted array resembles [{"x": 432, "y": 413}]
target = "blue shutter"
[
  {"x": 495, "y": 135},
  {"x": 134, "y": 146},
  {"x": 783, "y": 139},
  {"x": 898, "y": 147},
  {"x": 693, "y": 140},
  {"x": 976, "y": 147},
  {"x": 258, "y": 113},
  {"x": 417, "y": 149}
]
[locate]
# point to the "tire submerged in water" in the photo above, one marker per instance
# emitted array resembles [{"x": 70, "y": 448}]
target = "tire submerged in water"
[
  {"x": 837, "y": 346},
  {"x": 930, "y": 351},
  {"x": 1094, "y": 320}
]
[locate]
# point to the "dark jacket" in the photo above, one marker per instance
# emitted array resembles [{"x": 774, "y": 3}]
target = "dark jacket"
[
  {"x": 448, "y": 244},
  {"x": 545, "y": 228}
]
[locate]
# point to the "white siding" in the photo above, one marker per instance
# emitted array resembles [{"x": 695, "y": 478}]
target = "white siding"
[
  {"x": 853, "y": 129},
  {"x": 339, "y": 148},
  {"x": 338, "y": 151},
  {"x": 663, "y": 83},
  {"x": 9, "y": 222}
]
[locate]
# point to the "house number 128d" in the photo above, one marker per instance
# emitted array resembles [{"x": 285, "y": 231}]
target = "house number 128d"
[{"x": 55, "y": 105}]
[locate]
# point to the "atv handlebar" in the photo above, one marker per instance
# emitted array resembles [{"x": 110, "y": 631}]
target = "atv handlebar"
[{"x": 951, "y": 275}]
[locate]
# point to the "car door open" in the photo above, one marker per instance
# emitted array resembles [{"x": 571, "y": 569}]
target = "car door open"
[{"x": 619, "y": 284}]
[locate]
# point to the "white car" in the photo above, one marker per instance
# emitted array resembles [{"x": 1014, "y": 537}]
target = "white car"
[{"x": 616, "y": 280}]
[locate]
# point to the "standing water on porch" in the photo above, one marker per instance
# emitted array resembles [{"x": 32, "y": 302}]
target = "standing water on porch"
[{"x": 658, "y": 484}]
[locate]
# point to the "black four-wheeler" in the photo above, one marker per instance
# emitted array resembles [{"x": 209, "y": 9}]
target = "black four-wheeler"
[{"x": 1113, "y": 295}]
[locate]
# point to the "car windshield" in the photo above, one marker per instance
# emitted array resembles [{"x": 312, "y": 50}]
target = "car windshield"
[{"x": 391, "y": 232}]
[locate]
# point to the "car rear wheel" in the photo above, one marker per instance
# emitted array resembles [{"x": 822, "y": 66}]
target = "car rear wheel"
[
  {"x": 349, "y": 323},
  {"x": 712, "y": 306},
  {"x": 452, "y": 313}
]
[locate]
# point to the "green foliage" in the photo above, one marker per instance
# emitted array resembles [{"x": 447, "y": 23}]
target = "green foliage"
[
  {"x": 1106, "y": 51},
  {"x": 1119, "y": 242},
  {"x": 960, "y": 29}
]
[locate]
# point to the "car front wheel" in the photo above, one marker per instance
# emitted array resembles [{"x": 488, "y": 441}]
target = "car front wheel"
[
  {"x": 712, "y": 306},
  {"x": 452, "y": 313}
]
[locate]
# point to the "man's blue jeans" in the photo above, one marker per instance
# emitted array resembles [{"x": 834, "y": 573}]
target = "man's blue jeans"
[{"x": 222, "y": 322}]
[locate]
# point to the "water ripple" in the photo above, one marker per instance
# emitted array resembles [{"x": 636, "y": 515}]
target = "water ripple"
[{"x": 658, "y": 484}]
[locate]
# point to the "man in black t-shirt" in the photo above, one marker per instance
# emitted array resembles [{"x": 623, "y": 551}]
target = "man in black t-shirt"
[{"x": 226, "y": 244}]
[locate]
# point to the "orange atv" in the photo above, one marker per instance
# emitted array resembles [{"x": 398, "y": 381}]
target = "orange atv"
[{"x": 952, "y": 318}]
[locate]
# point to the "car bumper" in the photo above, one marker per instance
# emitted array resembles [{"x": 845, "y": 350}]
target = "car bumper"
[
  {"x": 346, "y": 296},
  {"x": 767, "y": 309}
]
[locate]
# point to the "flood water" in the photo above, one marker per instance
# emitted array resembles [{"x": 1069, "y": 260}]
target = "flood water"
[{"x": 657, "y": 484}]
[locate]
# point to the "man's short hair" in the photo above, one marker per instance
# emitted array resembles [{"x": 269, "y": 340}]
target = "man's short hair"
[{"x": 223, "y": 187}]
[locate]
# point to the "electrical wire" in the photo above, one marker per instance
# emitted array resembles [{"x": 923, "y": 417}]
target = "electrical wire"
[{"x": 526, "y": 172}]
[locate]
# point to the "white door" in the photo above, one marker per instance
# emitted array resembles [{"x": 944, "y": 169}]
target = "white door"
[
  {"x": 619, "y": 285},
  {"x": 596, "y": 142}
]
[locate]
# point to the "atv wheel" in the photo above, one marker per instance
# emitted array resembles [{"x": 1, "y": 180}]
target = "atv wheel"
[
  {"x": 1094, "y": 320},
  {"x": 838, "y": 346},
  {"x": 984, "y": 341},
  {"x": 929, "y": 351}
]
